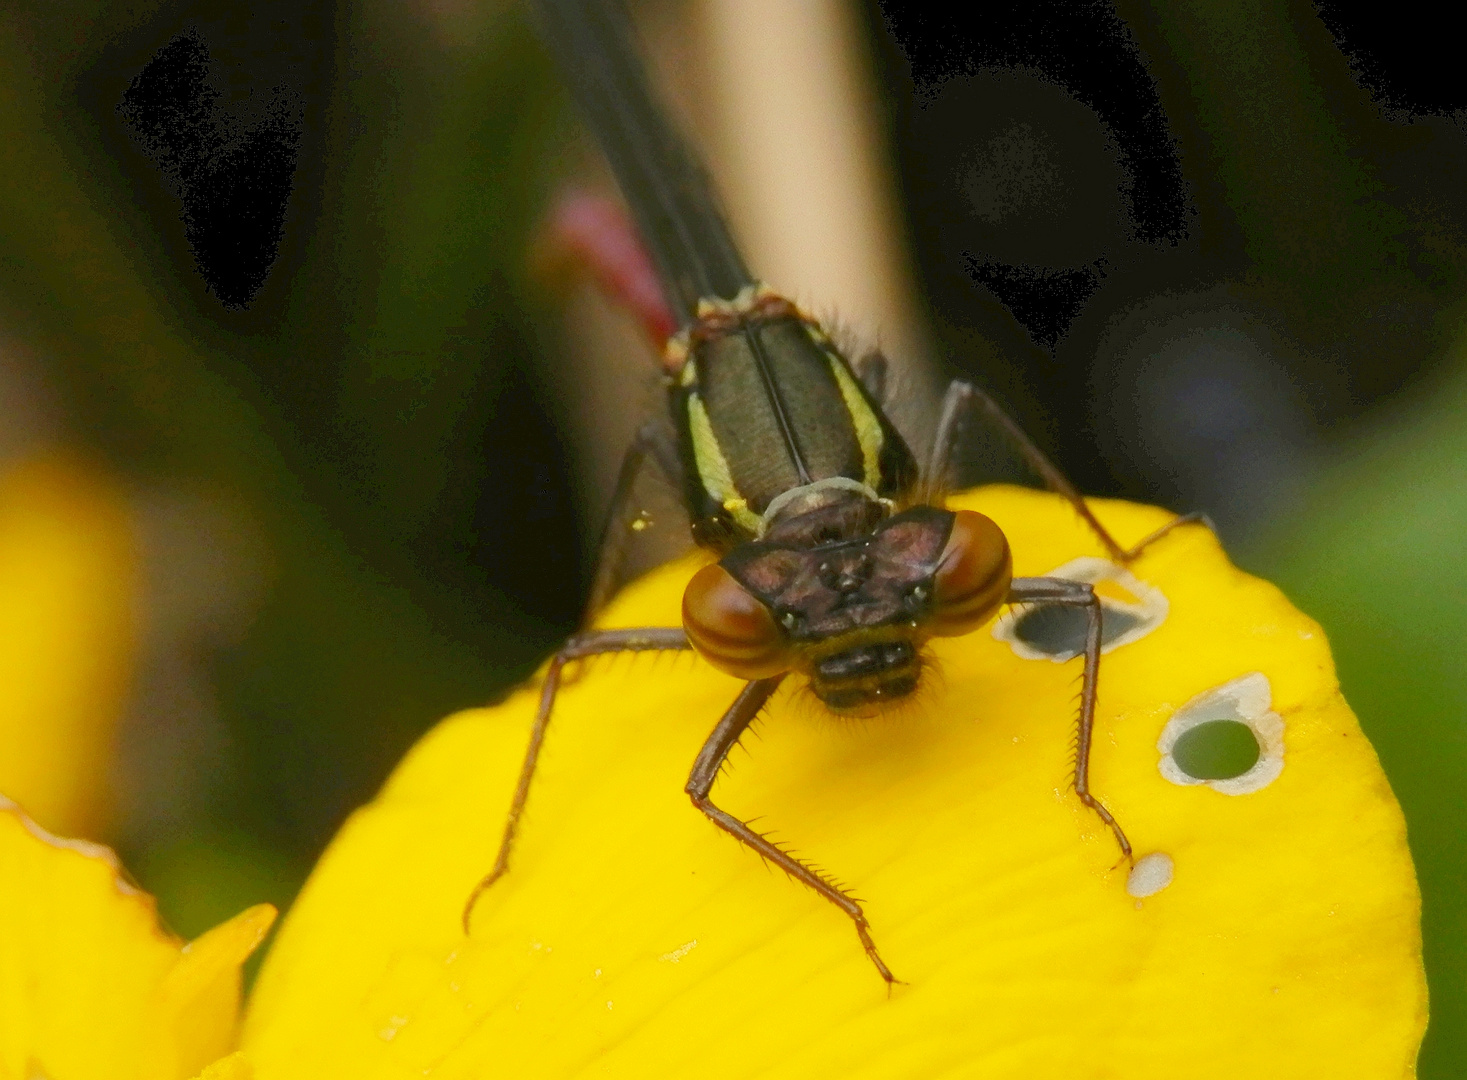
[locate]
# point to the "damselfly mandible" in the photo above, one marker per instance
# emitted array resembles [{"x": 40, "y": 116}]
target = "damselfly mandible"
[{"x": 837, "y": 558}]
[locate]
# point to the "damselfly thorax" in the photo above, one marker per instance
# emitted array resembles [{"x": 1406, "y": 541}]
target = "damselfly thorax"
[
  {"x": 836, "y": 559},
  {"x": 796, "y": 476}
]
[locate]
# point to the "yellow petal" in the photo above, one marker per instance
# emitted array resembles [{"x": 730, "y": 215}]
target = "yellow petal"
[
  {"x": 1273, "y": 932},
  {"x": 234, "y": 1067},
  {"x": 68, "y": 583},
  {"x": 90, "y": 986},
  {"x": 199, "y": 998}
]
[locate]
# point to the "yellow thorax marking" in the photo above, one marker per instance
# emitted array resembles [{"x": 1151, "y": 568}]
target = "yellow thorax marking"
[
  {"x": 713, "y": 467},
  {"x": 863, "y": 418}
]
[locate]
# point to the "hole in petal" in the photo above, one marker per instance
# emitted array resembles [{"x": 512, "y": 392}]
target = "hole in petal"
[
  {"x": 1228, "y": 738},
  {"x": 1060, "y": 631},
  {"x": 1217, "y": 750},
  {"x": 1130, "y": 609}
]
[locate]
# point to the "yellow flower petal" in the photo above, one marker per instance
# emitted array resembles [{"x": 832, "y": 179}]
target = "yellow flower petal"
[
  {"x": 234, "y": 1067},
  {"x": 68, "y": 584},
  {"x": 1271, "y": 932},
  {"x": 206, "y": 975},
  {"x": 90, "y": 986}
]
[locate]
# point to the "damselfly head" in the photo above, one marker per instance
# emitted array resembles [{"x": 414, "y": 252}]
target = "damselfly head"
[{"x": 850, "y": 613}]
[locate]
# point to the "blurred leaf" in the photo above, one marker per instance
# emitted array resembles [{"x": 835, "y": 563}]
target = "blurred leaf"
[
  {"x": 362, "y": 642},
  {"x": 1377, "y": 554}
]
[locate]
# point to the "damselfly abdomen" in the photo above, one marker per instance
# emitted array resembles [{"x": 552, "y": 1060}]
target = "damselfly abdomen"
[{"x": 836, "y": 558}]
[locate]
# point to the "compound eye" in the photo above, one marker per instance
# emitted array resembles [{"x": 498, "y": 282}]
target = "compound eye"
[
  {"x": 734, "y": 631},
  {"x": 973, "y": 575}
]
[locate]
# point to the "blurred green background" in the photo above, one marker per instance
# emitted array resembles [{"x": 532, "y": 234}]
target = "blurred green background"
[{"x": 1212, "y": 253}]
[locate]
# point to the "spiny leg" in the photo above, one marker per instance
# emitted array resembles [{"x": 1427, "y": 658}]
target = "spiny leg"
[
  {"x": 593, "y": 643},
  {"x": 1078, "y": 594},
  {"x": 653, "y": 441},
  {"x": 700, "y": 782},
  {"x": 962, "y": 396}
]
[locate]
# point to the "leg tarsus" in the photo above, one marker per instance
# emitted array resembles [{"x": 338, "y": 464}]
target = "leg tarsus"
[
  {"x": 1196, "y": 517},
  {"x": 1111, "y": 823},
  {"x": 479, "y": 890},
  {"x": 863, "y": 931}
]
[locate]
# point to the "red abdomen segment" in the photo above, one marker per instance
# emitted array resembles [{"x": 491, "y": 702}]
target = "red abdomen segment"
[{"x": 598, "y": 235}]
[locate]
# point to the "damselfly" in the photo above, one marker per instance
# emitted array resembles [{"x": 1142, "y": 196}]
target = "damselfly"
[{"x": 837, "y": 560}]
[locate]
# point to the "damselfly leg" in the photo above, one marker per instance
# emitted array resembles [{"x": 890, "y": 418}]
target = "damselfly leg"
[
  {"x": 652, "y": 444},
  {"x": 655, "y": 444},
  {"x": 1066, "y": 593},
  {"x": 962, "y": 399},
  {"x": 581, "y": 647},
  {"x": 700, "y": 783}
]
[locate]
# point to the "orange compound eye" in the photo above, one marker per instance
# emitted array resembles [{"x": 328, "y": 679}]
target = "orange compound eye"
[
  {"x": 734, "y": 631},
  {"x": 973, "y": 575}
]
